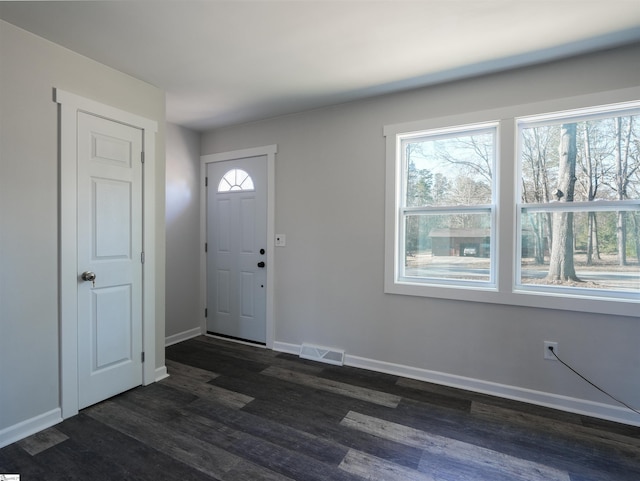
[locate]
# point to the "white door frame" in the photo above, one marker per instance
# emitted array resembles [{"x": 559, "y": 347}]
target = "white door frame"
[
  {"x": 70, "y": 105},
  {"x": 270, "y": 152}
]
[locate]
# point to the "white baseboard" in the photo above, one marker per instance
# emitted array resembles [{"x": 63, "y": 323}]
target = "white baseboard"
[
  {"x": 285, "y": 347},
  {"x": 30, "y": 426},
  {"x": 182, "y": 336},
  {"x": 555, "y": 401},
  {"x": 46, "y": 420},
  {"x": 161, "y": 373}
]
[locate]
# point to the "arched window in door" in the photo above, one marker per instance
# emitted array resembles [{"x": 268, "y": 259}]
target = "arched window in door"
[{"x": 236, "y": 180}]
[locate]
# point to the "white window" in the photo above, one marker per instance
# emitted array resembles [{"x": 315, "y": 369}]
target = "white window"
[
  {"x": 579, "y": 202},
  {"x": 446, "y": 209},
  {"x": 236, "y": 180},
  {"x": 506, "y": 211}
]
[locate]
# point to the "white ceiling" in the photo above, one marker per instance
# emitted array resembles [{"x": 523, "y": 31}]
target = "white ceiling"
[{"x": 228, "y": 62}]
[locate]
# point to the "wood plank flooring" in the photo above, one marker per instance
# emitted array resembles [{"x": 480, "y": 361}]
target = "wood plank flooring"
[{"x": 232, "y": 412}]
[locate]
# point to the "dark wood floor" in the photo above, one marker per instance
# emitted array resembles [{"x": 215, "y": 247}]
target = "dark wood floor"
[{"x": 232, "y": 412}]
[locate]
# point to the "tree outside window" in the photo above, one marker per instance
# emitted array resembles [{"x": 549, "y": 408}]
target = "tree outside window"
[{"x": 580, "y": 200}]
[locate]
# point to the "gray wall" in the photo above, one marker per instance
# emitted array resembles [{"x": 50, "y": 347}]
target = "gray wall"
[
  {"x": 329, "y": 278},
  {"x": 183, "y": 310},
  {"x": 30, "y": 68}
]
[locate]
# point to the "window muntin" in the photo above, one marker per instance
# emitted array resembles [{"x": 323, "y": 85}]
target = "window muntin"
[
  {"x": 446, "y": 212},
  {"x": 236, "y": 180},
  {"x": 579, "y": 202}
]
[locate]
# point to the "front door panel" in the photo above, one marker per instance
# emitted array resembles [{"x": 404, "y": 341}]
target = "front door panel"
[{"x": 236, "y": 259}]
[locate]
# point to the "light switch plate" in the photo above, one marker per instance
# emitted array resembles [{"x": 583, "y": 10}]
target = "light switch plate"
[{"x": 281, "y": 240}]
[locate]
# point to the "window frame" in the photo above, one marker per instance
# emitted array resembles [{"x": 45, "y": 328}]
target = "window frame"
[
  {"x": 598, "y": 112},
  {"x": 403, "y": 210},
  {"x": 507, "y": 209}
]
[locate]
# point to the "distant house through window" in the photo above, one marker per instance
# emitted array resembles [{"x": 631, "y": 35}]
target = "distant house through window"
[{"x": 460, "y": 242}]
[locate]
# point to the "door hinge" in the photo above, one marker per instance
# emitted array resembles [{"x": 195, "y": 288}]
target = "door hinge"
[
  {"x": 142, "y": 156},
  {"x": 205, "y": 312},
  {"x": 206, "y": 181},
  {"x": 206, "y": 247},
  {"x": 142, "y": 257},
  {"x": 142, "y": 356}
]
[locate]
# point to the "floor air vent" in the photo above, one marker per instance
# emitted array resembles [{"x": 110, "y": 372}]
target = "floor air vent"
[{"x": 322, "y": 354}]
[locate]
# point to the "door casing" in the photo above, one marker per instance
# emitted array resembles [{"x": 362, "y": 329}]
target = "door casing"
[
  {"x": 69, "y": 105},
  {"x": 270, "y": 152}
]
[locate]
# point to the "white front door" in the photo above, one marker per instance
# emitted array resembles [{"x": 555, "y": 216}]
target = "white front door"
[
  {"x": 236, "y": 253},
  {"x": 109, "y": 248}
]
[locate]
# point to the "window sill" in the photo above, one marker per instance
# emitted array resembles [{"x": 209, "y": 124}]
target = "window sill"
[{"x": 565, "y": 300}]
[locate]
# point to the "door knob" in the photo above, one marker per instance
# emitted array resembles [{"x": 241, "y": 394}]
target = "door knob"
[
  {"x": 261, "y": 264},
  {"x": 88, "y": 276}
]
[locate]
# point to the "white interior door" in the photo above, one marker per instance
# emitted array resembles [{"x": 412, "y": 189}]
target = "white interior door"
[
  {"x": 236, "y": 253},
  {"x": 109, "y": 248}
]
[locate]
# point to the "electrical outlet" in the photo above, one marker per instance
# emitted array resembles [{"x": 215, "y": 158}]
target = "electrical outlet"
[{"x": 547, "y": 353}]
